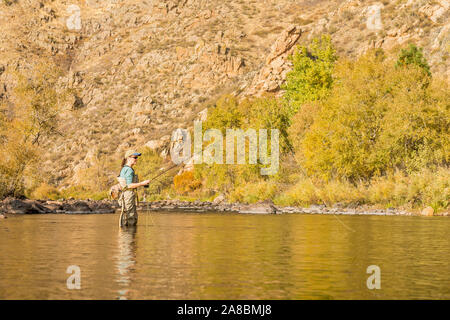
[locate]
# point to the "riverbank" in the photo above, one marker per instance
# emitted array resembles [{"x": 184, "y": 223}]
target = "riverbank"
[{"x": 27, "y": 206}]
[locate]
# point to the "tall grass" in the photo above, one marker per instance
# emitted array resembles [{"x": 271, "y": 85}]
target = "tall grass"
[{"x": 411, "y": 191}]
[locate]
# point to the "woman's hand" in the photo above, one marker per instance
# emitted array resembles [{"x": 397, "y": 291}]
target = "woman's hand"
[{"x": 145, "y": 182}]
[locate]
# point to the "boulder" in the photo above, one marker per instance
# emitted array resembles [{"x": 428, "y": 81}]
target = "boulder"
[
  {"x": 262, "y": 207},
  {"x": 427, "y": 212},
  {"x": 103, "y": 206},
  {"x": 155, "y": 144},
  {"x": 54, "y": 206},
  {"x": 19, "y": 206},
  {"x": 219, "y": 199},
  {"x": 76, "y": 206}
]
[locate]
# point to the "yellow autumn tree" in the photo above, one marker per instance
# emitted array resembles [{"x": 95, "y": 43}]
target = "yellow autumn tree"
[
  {"x": 377, "y": 119},
  {"x": 29, "y": 116}
]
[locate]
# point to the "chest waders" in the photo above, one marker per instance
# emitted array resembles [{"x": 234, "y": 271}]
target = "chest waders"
[{"x": 128, "y": 201}]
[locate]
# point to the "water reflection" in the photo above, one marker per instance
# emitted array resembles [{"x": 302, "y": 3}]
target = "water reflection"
[
  {"x": 126, "y": 259},
  {"x": 211, "y": 256}
]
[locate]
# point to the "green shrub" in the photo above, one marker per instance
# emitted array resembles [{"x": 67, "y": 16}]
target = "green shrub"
[
  {"x": 256, "y": 113},
  {"x": 311, "y": 76},
  {"x": 413, "y": 56},
  {"x": 376, "y": 119},
  {"x": 225, "y": 114},
  {"x": 265, "y": 112}
]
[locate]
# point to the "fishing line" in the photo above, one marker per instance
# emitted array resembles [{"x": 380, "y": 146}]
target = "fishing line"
[
  {"x": 348, "y": 228},
  {"x": 152, "y": 179}
]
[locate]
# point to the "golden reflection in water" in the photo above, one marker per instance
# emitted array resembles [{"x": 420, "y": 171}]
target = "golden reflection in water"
[
  {"x": 126, "y": 259},
  {"x": 213, "y": 256}
]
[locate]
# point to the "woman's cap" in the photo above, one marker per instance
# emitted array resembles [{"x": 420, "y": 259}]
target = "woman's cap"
[{"x": 130, "y": 153}]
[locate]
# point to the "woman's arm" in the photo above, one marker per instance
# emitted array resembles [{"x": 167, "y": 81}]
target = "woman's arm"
[{"x": 138, "y": 184}]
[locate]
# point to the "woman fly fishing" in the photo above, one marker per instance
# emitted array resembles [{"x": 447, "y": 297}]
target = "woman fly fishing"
[{"x": 129, "y": 182}]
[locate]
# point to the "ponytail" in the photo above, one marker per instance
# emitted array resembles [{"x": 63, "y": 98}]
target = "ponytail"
[{"x": 124, "y": 161}]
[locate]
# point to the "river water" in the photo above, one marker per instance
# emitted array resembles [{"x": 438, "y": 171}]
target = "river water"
[{"x": 224, "y": 256}]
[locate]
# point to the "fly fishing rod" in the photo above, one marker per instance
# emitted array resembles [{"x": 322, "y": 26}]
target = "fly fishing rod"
[
  {"x": 161, "y": 173},
  {"x": 154, "y": 178}
]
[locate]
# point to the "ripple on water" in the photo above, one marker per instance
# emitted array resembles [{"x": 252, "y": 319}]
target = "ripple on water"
[{"x": 224, "y": 256}]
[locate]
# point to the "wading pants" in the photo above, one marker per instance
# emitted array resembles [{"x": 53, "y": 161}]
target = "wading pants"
[{"x": 128, "y": 215}]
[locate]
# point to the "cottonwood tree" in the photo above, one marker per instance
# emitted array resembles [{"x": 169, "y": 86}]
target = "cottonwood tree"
[{"x": 31, "y": 115}]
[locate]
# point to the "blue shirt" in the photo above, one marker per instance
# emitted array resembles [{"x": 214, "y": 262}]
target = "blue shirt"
[{"x": 127, "y": 173}]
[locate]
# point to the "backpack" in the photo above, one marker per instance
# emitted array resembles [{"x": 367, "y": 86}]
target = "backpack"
[{"x": 116, "y": 190}]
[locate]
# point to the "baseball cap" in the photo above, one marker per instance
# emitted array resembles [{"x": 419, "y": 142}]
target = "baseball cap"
[{"x": 130, "y": 153}]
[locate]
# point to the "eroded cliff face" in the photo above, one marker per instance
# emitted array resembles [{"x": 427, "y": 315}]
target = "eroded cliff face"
[
  {"x": 356, "y": 26},
  {"x": 140, "y": 69}
]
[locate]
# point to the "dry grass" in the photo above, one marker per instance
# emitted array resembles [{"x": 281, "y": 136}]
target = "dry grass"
[{"x": 426, "y": 188}]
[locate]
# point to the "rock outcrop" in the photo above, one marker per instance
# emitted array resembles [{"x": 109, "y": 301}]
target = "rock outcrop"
[
  {"x": 19, "y": 206},
  {"x": 273, "y": 74}
]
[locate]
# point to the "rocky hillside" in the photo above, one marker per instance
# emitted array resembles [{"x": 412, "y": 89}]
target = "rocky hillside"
[{"x": 139, "y": 69}]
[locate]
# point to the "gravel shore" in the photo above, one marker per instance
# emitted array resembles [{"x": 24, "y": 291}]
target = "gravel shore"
[{"x": 26, "y": 206}]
